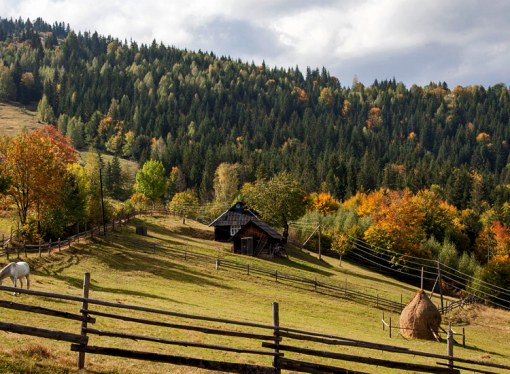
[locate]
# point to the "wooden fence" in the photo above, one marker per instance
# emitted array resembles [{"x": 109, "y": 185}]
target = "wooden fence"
[
  {"x": 220, "y": 263},
  {"x": 271, "y": 337},
  {"x": 8, "y": 249},
  {"x": 449, "y": 333},
  {"x": 339, "y": 289},
  {"x": 346, "y": 290}
]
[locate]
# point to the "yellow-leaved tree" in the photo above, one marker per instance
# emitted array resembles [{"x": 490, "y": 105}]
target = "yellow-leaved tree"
[{"x": 185, "y": 203}]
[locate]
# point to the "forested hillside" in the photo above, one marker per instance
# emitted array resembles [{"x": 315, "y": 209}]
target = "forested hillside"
[{"x": 195, "y": 110}]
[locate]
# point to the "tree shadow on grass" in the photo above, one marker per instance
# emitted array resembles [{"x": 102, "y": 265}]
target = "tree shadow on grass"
[
  {"x": 303, "y": 267},
  {"x": 78, "y": 283},
  {"x": 120, "y": 259},
  {"x": 181, "y": 235},
  {"x": 125, "y": 259},
  {"x": 380, "y": 280},
  {"x": 310, "y": 263}
]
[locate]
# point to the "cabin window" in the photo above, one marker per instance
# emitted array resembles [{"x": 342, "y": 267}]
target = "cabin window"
[{"x": 234, "y": 230}]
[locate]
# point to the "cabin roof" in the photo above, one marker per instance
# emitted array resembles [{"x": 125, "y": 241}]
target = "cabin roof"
[
  {"x": 236, "y": 215},
  {"x": 268, "y": 230}
]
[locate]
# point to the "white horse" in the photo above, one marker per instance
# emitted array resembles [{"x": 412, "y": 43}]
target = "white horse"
[{"x": 16, "y": 271}]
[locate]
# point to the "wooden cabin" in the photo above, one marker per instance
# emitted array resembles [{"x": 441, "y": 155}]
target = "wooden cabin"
[
  {"x": 230, "y": 222},
  {"x": 257, "y": 238}
]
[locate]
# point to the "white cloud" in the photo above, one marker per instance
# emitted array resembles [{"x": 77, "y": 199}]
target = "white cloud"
[{"x": 459, "y": 41}]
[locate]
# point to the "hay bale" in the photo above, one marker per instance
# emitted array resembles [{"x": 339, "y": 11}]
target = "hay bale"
[{"x": 415, "y": 317}]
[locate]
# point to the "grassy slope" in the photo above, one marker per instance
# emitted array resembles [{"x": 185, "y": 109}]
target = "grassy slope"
[
  {"x": 15, "y": 116},
  {"x": 121, "y": 275},
  {"x": 130, "y": 166}
]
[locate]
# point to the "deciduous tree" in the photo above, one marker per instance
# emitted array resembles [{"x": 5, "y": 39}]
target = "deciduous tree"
[
  {"x": 151, "y": 181},
  {"x": 280, "y": 200},
  {"x": 36, "y": 164}
]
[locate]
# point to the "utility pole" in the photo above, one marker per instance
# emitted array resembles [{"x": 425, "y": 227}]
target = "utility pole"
[
  {"x": 102, "y": 202},
  {"x": 320, "y": 223},
  {"x": 488, "y": 245},
  {"x": 440, "y": 283}
]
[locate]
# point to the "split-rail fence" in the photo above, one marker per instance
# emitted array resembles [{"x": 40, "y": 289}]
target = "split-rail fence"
[
  {"x": 347, "y": 290},
  {"x": 271, "y": 336}
]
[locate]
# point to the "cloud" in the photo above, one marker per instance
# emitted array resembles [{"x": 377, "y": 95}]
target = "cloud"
[{"x": 459, "y": 41}]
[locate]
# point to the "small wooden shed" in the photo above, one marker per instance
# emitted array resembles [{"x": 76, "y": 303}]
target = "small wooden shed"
[
  {"x": 257, "y": 238},
  {"x": 230, "y": 222}
]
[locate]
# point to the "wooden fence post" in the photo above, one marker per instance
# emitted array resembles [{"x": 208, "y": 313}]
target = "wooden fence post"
[
  {"x": 440, "y": 285},
  {"x": 345, "y": 291},
  {"x": 390, "y": 326},
  {"x": 383, "y": 321},
  {"x": 463, "y": 338},
  {"x": 217, "y": 264},
  {"x": 113, "y": 225},
  {"x": 59, "y": 244},
  {"x": 276, "y": 275},
  {"x": 39, "y": 247},
  {"x": 422, "y": 277},
  {"x": 49, "y": 248},
  {"x": 276, "y": 322},
  {"x": 68, "y": 243},
  {"x": 401, "y": 306},
  {"x": 84, "y": 306},
  {"x": 248, "y": 269},
  {"x": 7, "y": 251},
  {"x": 449, "y": 345},
  {"x": 154, "y": 248},
  {"x": 315, "y": 284}
]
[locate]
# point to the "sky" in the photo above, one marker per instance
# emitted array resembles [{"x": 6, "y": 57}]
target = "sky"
[{"x": 462, "y": 42}]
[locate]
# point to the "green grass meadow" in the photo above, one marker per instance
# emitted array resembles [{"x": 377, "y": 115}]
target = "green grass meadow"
[{"x": 124, "y": 274}]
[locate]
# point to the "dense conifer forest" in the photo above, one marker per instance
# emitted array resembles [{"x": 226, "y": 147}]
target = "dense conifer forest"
[
  {"x": 422, "y": 171},
  {"x": 196, "y": 110}
]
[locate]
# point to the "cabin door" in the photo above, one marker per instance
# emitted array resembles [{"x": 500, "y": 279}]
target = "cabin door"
[{"x": 247, "y": 246}]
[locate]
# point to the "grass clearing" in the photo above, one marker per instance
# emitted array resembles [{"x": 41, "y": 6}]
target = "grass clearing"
[
  {"x": 15, "y": 116},
  {"x": 119, "y": 274},
  {"x": 130, "y": 166}
]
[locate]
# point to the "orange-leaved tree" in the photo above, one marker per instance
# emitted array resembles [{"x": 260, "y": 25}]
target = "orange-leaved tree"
[
  {"x": 36, "y": 163},
  {"x": 398, "y": 222},
  {"x": 324, "y": 203},
  {"x": 493, "y": 240}
]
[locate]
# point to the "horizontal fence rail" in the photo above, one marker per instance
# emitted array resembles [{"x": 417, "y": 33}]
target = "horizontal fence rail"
[
  {"x": 188, "y": 254},
  {"x": 271, "y": 345},
  {"x": 342, "y": 290}
]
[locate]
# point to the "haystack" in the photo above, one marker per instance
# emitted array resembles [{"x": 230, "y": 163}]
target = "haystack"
[{"x": 418, "y": 316}]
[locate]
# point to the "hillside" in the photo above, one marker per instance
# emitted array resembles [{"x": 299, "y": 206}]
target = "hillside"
[
  {"x": 203, "y": 110},
  {"x": 14, "y": 117},
  {"x": 120, "y": 274}
]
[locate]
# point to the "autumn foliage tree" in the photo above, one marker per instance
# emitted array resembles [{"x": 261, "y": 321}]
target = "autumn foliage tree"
[
  {"x": 324, "y": 203},
  {"x": 184, "y": 203},
  {"x": 398, "y": 222},
  {"x": 374, "y": 120},
  {"x": 36, "y": 164}
]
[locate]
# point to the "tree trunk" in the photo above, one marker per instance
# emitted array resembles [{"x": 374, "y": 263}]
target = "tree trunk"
[{"x": 285, "y": 233}]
